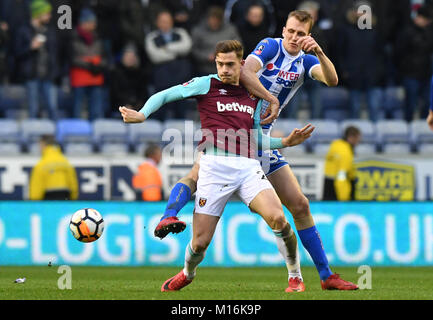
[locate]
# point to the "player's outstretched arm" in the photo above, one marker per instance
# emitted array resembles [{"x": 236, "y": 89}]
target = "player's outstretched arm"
[
  {"x": 130, "y": 115},
  {"x": 194, "y": 87},
  {"x": 297, "y": 136}
]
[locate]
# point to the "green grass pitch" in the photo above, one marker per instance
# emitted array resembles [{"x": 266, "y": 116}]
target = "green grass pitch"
[{"x": 144, "y": 283}]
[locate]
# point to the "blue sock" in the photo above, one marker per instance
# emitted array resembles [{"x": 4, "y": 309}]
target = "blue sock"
[
  {"x": 311, "y": 241},
  {"x": 179, "y": 197}
]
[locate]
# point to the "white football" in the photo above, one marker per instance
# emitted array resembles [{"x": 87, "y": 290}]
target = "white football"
[{"x": 86, "y": 225}]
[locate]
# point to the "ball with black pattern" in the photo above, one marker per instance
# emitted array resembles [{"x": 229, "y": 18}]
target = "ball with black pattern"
[{"x": 86, "y": 225}]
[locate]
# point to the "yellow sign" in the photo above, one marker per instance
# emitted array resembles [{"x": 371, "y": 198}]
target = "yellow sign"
[{"x": 384, "y": 181}]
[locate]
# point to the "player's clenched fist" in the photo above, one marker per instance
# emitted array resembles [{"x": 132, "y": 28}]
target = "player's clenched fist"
[
  {"x": 271, "y": 112},
  {"x": 308, "y": 44},
  {"x": 298, "y": 136},
  {"x": 131, "y": 116}
]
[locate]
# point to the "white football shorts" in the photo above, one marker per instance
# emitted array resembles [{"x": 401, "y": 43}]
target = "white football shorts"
[{"x": 220, "y": 177}]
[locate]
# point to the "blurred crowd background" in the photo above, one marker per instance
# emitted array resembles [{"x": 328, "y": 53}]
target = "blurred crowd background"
[{"x": 121, "y": 52}]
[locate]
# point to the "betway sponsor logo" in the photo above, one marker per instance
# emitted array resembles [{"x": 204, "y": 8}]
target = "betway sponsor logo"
[{"x": 234, "y": 106}]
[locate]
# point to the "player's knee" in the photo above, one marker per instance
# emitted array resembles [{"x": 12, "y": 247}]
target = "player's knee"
[
  {"x": 193, "y": 173},
  {"x": 199, "y": 245},
  {"x": 193, "y": 176},
  {"x": 190, "y": 182},
  {"x": 278, "y": 221},
  {"x": 300, "y": 207}
]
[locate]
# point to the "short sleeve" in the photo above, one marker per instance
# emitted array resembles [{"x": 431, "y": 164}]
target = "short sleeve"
[
  {"x": 196, "y": 86},
  {"x": 265, "y": 50},
  {"x": 309, "y": 62}
]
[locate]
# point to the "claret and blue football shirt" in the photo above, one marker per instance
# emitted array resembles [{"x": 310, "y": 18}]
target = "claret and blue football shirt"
[{"x": 227, "y": 114}]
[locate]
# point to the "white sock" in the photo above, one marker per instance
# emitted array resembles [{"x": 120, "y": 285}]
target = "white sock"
[
  {"x": 288, "y": 247},
  {"x": 192, "y": 260}
]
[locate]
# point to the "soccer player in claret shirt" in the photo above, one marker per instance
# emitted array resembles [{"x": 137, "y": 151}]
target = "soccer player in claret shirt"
[
  {"x": 230, "y": 123},
  {"x": 277, "y": 67}
]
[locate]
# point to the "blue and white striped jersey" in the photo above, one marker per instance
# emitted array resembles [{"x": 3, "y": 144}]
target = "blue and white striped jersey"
[{"x": 281, "y": 73}]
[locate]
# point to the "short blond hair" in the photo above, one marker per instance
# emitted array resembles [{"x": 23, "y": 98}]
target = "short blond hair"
[{"x": 302, "y": 16}]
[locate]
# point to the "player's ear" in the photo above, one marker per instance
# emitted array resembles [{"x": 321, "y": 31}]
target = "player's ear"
[{"x": 242, "y": 62}]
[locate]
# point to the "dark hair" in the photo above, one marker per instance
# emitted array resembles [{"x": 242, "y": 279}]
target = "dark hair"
[
  {"x": 48, "y": 139},
  {"x": 351, "y": 131},
  {"x": 302, "y": 16},
  {"x": 256, "y": 4},
  {"x": 216, "y": 12},
  {"x": 425, "y": 12},
  {"x": 151, "y": 150},
  {"x": 227, "y": 46}
]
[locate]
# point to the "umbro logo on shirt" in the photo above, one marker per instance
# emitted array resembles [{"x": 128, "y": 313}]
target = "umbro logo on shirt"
[{"x": 223, "y": 92}]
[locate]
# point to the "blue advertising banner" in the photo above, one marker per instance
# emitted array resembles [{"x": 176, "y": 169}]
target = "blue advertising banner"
[{"x": 372, "y": 233}]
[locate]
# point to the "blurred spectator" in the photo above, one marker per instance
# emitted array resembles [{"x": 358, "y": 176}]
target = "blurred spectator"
[
  {"x": 88, "y": 62},
  {"x": 310, "y": 87},
  {"x": 64, "y": 38},
  {"x": 108, "y": 27},
  {"x": 186, "y": 13},
  {"x": 133, "y": 23},
  {"x": 168, "y": 49},
  {"x": 36, "y": 58},
  {"x": 4, "y": 46},
  {"x": 53, "y": 177},
  {"x": 284, "y": 7},
  {"x": 206, "y": 35},
  {"x": 148, "y": 178},
  {"x": 361, "y": 64},
  {"x": 415, "y": 5},
  {"x": 15, "y": 13},
  {"x": 235, "y": 13},
  {"x": 339, "y": 169},
  {"x": 390, "y": 17},
  {"x": 414, "y": 48},
  {"x": 254, "y": 29},
  {"x": 4, "y": 72},
  {"x": 128, "y": 81}
]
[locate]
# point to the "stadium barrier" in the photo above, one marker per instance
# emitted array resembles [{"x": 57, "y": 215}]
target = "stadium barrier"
[
  {"x": 110, "y": 178},
  {"x": 353, "y": 234}
]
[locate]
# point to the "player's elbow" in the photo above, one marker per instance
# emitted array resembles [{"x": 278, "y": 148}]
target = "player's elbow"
[
  {"x": 333, "y": 82},
  {"x": 246, "y": 73}
]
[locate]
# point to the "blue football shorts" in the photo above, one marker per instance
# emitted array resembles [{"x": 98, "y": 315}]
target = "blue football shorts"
[{"x": 271, "y": 161}]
